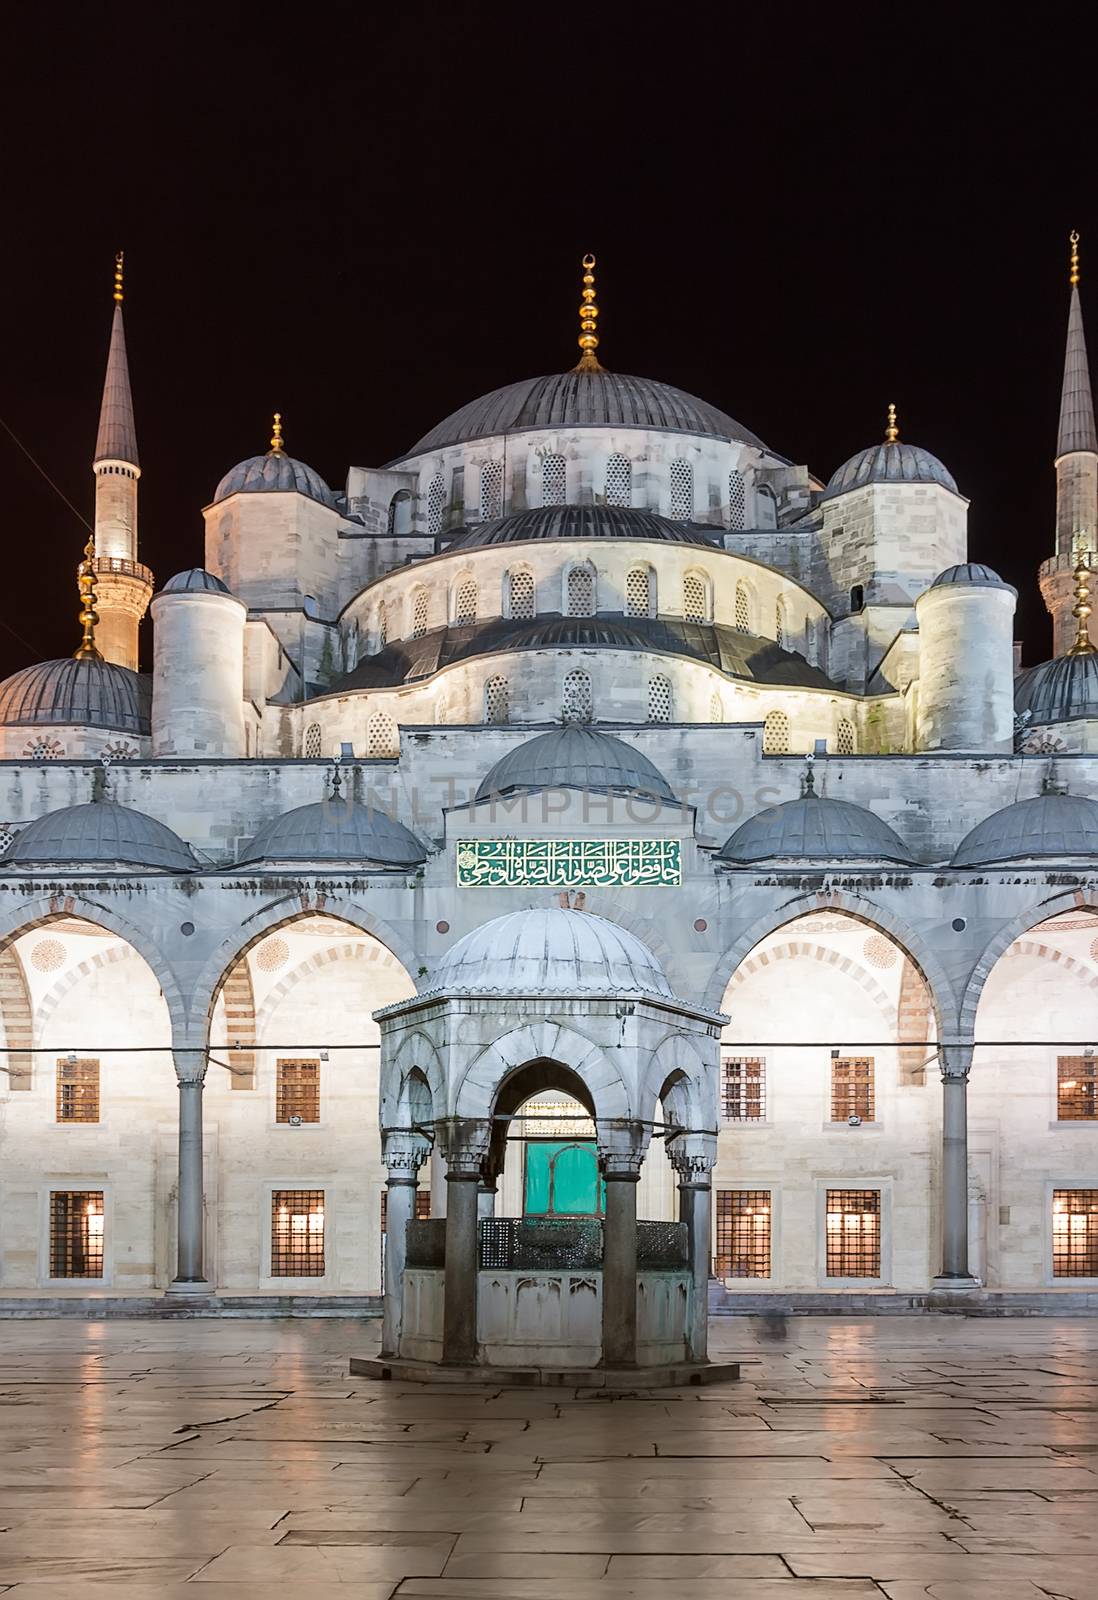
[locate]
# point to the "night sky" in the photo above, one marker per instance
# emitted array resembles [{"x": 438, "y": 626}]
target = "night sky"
[{"x": 364, "y": 218}]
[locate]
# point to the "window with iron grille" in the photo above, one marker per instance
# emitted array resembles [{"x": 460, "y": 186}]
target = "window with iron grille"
[
  {"x": 581, "y": 591},
  {"x": 716, "y": 708},
  {"x": 660, "y": 701},
  {"x": 619, "y": 482},
  {"x": 638, "y": 592},
  {"x": 695, "y": 597},
  {"x": 312, "y": 741},
  {"x": 423, "y": 1207},
  {"x": 1076, "y": 1088},
  {"x": 853, "y": 1225},
  {"x": 737, "y": 501},
  {"x": 577, "y": 703},
  {"x": 776, "y": 734},
  {"x": 436, "y": 499},
  {"x": 743, "y": 609},
  {"x": 381, "y": 737},
  {"x": 844, "y": 737},
  {"x": 491, "y": 489},
  {"x": 520, "y": 588},
  {"x": 779, "y": 624},
  {"x": 390, "y": 526},
  {"x": 297, "y": 1233},
  {"x": 76, "y": 1233},
  {"x": 465, "y": 600},
  {"x": 743, "y": 1088},
  {"x": 382, "y": 624},
  {"x": 497, "y": 700},
  {"x": 554, "y": 481},
  {"x": 419, "y": 614},
  {"x": 682, "y": 491},
  {"x": 78, "y": 1090},
  {"x": 1075, "y": 1233},
  {"x": 743, "y": 1233},
  {"x": 297, "y": 1091},
  {"x": 851, "y": 1088}
]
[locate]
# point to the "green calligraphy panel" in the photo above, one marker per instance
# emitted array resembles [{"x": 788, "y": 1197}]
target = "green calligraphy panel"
[{"x": 569, "y": 863}]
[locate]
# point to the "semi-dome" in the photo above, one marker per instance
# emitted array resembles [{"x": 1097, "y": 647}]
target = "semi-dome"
[
  {"x": 890, "y": 462},
  {"x": 575, "y": 757},
  {"x": 275, "y": 471},
  {"x": 196, "y": 580},
  {"x": 1059, "y": 690},
  {"x": 86, "y": 693},
  {"x": 1049, "y": 824},
  {"x": 98, "y": 833},
  {"x": 815, "y": 828},
  {"x": 550, "y": 951},
  {"x": 971, "y": 575},
  {"x": 581, "y": 522},
  {"x": 588, "y": 399},
  {"x": 338, "y": 829}
]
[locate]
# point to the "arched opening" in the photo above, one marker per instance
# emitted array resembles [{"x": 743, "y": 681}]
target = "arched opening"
[
  {"x": 544, "y": 1154},
  {"x": 401, "y": 520}
]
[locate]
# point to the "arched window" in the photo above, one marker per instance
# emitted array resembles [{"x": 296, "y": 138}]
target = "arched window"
[
  {"x": 845, "y": 743},
  {"x": 716, "y": 708},
  {"x": 857, "y": 597},
  {"x": 659, "y": 698},
  {"x": 382, "y": 625},
  {"x": 465, "y": 599},
  {"x": 491, "y": 489},
  {"x": 638, "y": 592},
  {"x": 695, "y": 597},
  {"x": 497, "y": 700},
  {"x": 554, "y": 481},
  {"x": 766, "y": 507},
  {"x": 776, "y": 734},
  {"x": 520, "y": 594},
  {"x": 419, "y": 614},
  {"x": 580, "y": 591},
  {"x": 682, "y": 491},
  {"x": 312, "y": 741},
  {"x": 743, "y": 608},
  {"x": 619, "y": 482},
  {"x": 737, "y": 500},
  {"x": 400, "y": 514},
  {"x": 779, "y": 623},
  {"x": 381, "y": 737},
  {"x": 577, "y": 703},
  {"x": 436, "y": 499}
]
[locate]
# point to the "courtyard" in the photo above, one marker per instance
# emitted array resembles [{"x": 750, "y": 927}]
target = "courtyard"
[{"x": 894, "y": 1456}]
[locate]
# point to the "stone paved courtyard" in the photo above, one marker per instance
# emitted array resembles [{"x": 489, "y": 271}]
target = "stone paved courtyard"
[{"x": 894, "y": 1456}]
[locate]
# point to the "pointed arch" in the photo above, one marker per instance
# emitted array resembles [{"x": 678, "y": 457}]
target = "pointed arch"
[
  {"x": 1070, "y": 900},
  {"x": 475, "y": 1095},
  {"x": 17, "y": 1020},
  {"x": 240, "y": 1023}
]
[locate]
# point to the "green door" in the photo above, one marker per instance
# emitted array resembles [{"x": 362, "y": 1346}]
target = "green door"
[{"x": 562, "y": 1179}]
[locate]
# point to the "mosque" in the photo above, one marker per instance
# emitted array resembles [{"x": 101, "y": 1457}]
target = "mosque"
[{"x": 589, "y": 826}]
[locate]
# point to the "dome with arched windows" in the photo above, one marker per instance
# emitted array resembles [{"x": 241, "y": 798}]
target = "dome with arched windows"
[
  {"x": 84, "y": 692},
  {"x": 576, "y": 757},
  {"x": 549, "y": 950}
]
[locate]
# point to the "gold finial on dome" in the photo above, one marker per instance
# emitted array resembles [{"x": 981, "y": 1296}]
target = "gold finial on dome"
[
  {"x": 1073, "y": 239},
  {"x": 892, "y": 432},
  {"x": 118, "y": 278},
  {"x": 276, "y": 435},
  {"x": 589, "y": 320},
  {"x": 85, "y": 578},
  {"x": 1081, "y": 609}
]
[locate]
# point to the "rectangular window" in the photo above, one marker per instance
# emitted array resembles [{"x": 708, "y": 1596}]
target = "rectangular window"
[
  {"x": 297, "y": 1233},
  {"x": 743, "y": 1233},
  {"x": 1077, "y": 1088},
  {"x": 76, "y": 1233},
  {"x": 77, "y": 1090},
  {"x": 297, "y": 1095},
  {"x": 853, "y": 1220},
  {"x": 743, "y": 1088},
  {"x": 423, "y": 1207},
  {"x": 1075, "y": 1233},
  {"x": 851, "y": 1088}
]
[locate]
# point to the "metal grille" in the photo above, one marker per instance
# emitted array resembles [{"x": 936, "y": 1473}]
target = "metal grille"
[
  {"x": 743, "y": 1088},
  {"x": 682, "y": 491},
  {"x": 436, "y": 497},
  {"x": 312, "y": 741},
  {"x": 382, "y": 624},
  {"x": 659, "y": 699},
  {"x": 497, "y": 700},
  {"x": 1076, "y": 1088},
  {"x": 76, "y": 1233},
  {"x": 851, "y": 1088},
  {"x": 661, "y": 1246},
  {"x": 619, "y": 482},
  {"x": 465, "y": 601},
  {"x": 737, "y": 501},
  {"x": 540, "y": 1244},
  {"x": 521, "y": 590},
  {"x": 297, "y": 1091},
  {"x": 638, "y": 592},
  {"x": 423, "y": 1207},
  {"x": 853, "y": 1222},
  {"x": 578, "y": 704},
  {"x": 776, "y": 734},
  {"x": 844, "y": 737},
  {"x": 1075, "y": 1233},
  {"x": 743, "y": 1233},
  {"x": 581, "y": 591},
  {"x": 419, "y": 614},
  {"x": 78, "y": 1091},
  {"x": 297, "y": 1233},
  {"x": 554, "y": 481},
  {"x": 381, "y": 737},
  {"x": 491, "y": 489},
  {"x": 743, "y": 609},
  {"x": 694, "y": 597},
  {"x": 716, "y": 708},
  {"x": 779, "y": 624}
]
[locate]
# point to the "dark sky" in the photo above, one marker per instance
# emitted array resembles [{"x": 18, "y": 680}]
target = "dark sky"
[{"x": 365, "y": 217}]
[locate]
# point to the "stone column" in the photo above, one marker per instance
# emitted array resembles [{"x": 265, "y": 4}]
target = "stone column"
[
  {"x": 404, "y": 1155},
  {"x": 955, "y": 1062},
  {"x": 693, "y": 1156},
  {"x": 465, "y": 1145},
  {"x": 190, "y": 1277},
  {"x": 621, "y": 1174}
]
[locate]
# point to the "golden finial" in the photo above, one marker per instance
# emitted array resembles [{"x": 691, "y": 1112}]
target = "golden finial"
[
  {"x": 118, "y": 278},
  {"x": 276, "y": 435},
  {"x": 1081, "y": 610},
  {"x": 589, "y": 319},
  {"x": 89, "y": 617},
  {"x": 892, "y": 432},
  {"x": 1073, "y": 237}
]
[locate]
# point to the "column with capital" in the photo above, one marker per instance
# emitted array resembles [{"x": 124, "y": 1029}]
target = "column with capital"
[
  {"x": 404, "y": 1154},
  {"x": 620, "y": 1164},
  {"x": 693, "y": 1156},
  {"x": 464, "y": 1142},
  {"x": 955, "y": 1061},
  {"x": 190, "y": 1277}
]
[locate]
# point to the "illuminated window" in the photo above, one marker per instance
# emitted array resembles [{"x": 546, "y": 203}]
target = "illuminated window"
[
  {"x": 465, "y": 600},
  {"x": 737, "y": 501},
  {"x": 581, "y": 591},
  {"x": 851, "y": 1088},
  {"x": 312, "y": 741},
  {"x": 743, "y": 1233},
  {"x": 743, "y": 609},
  {"x": 638, "y": 592},
  {"x": 619, "y": 482},
  {"x": 382, "y": 743},
  {"x": 423, "y": 1207},
  {"x": 554, "y": 481},
  {"x": 577, "y": 704},
  {"x": 853, "y": 1222},
  {"x": 1075, "y": 1233},
  {"x": 520, "y": 589},
  {"x": 419, "y": 614},
  {"x": 660, "y": 702},
  {"x": 844, "y": 737},
  {"x": 491, "y": 489},
  {"x": 776, "y": 734},
  {"x": 682, "y": 491},
  {"x": 695, "y": 597},
  {"x": 77, "y": 1090},
  {"x": 436, "y": 499},
  {"x": 297, "y": 1092},
  {"x": 76, "y": 1233},
  {"x": 716, "y": 708},
  {"x": 1076, "y": 1089},
  {"x": 497, "y": 700},
  {"x": 297, "y": 1233},
  {"x": 743, "y": 1088}
]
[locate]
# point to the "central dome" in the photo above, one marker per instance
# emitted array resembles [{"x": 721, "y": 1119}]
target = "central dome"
[
  {"x": 550, "y": 951},
  {"x": 591, "y": 399}
]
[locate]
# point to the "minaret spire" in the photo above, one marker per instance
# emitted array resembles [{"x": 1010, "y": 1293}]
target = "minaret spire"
[
  {"x": 1077, "y": 430},
  {"x": 117, "y": 437}
]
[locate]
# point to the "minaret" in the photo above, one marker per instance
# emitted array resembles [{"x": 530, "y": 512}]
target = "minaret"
[
  {"x": 124, "y": 586},
  {"x": 1076, "y": 476}
]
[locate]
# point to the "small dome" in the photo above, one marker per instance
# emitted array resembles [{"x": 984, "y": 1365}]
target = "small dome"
[
  {"x": 98, "y": 833},
  {"x": 1060, "y": 690},
  {"x": 890, "y": 463},
  {"x": 581, "y": 522},
  {"x": 88, "y": 693},
  {"x": 550, "y": 951},
  {"x": 1048, "y": 825},
  {"x": 971, "y": 575},
  {"x": 575, "y": 757},
  {"x": 334, "y": 830},
  {"x": 196, "y": 580},
  {"x": 815, "y": 828},
  {"x": 274, "y": 471}
]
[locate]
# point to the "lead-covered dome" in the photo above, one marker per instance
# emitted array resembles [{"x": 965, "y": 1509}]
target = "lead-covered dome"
[
  {"x": 588, "y": 399},
  {"x": 814, "y": 828},
  {"x": 87, "y": 693},
  {"x": 1059, "y": 690},
  {"x": 971, "y": 575},
  {"x": 582, "y": 522},
  {"x": 890, "y": 462},
  {"x": 275, "y": 472},
  {"x": 1049, "y": 824},
  {"x": 575, "y": 757},
  {"x": 100, "y": 833},
  {"x": 550, "y": 951},
  {"x": 196, "y": 580},
  {"x": 337, "y": 829}
]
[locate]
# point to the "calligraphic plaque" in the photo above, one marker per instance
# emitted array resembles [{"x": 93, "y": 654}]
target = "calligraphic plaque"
[{"x": 569, "y": 863}]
